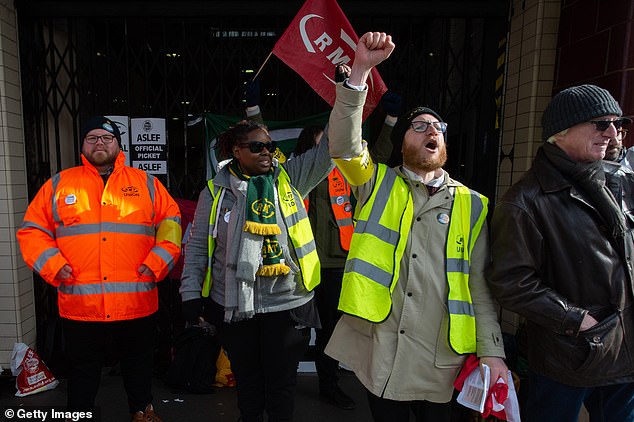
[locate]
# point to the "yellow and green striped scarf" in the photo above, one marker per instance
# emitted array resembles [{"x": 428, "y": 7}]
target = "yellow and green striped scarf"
[{"x": 260, "y": 219}]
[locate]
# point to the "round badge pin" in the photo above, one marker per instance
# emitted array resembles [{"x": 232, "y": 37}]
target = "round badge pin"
[
  {"x": 70, "y": 199},
  {"x": 227, "y": 215},
  {"x": 443, "y": 218},
  {"x": 340, "y": 200}
]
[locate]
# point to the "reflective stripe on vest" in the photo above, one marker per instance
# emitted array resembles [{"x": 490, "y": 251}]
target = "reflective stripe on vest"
[
  {"x": 376, "y": 251},
  {"x": 339, "y": 191},
  {"x": 297, "y": 225},
  {"x": 211, "y": 239},
  {"x": 376, "y": 248},
  {"x": 299, "y": 231},
  {"x": 468, "y": 213}
]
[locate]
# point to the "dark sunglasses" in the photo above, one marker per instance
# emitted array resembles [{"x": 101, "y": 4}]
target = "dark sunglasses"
[
  {"x": 603, "y": 125},
  {"x": 257, "y": 147}
]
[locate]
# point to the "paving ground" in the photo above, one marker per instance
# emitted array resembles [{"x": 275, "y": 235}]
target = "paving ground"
[
  {"x": 220, "y": 406},
  {"x": 179, "y": 406}
]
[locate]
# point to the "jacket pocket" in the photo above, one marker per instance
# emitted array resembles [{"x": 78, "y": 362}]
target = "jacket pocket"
[
  {"x": 359, "y": 325},
  {"x": 283, "y": 284},
  {"x": 602, "y": 344},
  {"x": 68, "y": 282},
  {"x": 146, "y": 278},
  {"x": 68, "y": 213},
  {"x": 288, "y": 260},
  {"x": 445, "y": 357}
]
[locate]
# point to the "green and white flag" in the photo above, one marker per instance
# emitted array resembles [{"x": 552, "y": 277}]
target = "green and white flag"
[{"x": 283, "y": 133}]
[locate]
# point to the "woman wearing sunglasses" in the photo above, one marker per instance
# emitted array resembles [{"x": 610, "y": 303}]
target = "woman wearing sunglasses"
[{"x": 251, "y": 251}]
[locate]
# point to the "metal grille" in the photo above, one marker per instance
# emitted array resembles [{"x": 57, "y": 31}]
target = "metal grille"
[{"x": 178, "y": 68}]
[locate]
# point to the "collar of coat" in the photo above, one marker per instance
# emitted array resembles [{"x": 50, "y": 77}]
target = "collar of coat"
[{"x": 551, "y": 180}]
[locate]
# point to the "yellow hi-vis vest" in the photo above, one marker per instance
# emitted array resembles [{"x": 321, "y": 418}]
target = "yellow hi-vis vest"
[
  {"x": 468, "y": 213},
  {"x": 377, "y": 248},
  {"x": 297, "y": 226}
]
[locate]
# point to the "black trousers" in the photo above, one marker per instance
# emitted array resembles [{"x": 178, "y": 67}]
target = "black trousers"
[
  {"x": 264, "y": 352},
  {"x": 327, "y": 297},
  {"x": 86, "y": 343},
  {"x": 384, "y": 410}
]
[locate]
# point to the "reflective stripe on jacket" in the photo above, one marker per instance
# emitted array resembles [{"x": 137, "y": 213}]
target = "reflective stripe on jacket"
[
  {"x": 297, "y": 225},
  {"x": 377, "y": 248},
  {"x": 105, "y": 233}
]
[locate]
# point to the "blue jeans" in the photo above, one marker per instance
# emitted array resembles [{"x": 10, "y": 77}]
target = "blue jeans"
[{"x": 549, "y": 400}]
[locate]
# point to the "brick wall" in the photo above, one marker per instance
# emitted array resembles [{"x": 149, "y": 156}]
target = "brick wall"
[
  {"x": 531, "y": 57},
  {"x": 17, "y": 313},
  {"x": 532, "y": 47}
]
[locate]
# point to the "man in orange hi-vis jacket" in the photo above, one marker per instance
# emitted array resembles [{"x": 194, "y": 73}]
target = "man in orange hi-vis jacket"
[{"x": 104, "y": 234}]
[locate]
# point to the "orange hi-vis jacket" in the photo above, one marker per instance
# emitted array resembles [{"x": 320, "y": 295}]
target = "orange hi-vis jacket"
[
  {"x": 105, "y": 233},
  {"x": 339, "y": 192}
]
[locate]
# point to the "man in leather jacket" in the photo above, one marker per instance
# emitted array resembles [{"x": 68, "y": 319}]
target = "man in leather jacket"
[{"x": 562, "y": 258}]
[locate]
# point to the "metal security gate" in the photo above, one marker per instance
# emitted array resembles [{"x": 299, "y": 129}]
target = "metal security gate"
[
  {"x": 186, "y": 58},
  {"x": 180, "y": 67}
]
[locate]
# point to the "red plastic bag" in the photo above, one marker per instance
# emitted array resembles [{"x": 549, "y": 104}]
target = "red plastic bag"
[{"x": 32, "y": 374}]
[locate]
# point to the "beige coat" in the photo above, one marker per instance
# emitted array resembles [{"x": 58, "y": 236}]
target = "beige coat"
[{"x": 407, "y": 357}]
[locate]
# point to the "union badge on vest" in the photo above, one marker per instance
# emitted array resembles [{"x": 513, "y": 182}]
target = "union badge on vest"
[{"x": 443, "y": 218}]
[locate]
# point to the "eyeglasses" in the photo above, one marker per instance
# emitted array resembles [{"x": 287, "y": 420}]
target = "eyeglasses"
[
  {"x": 257, "y": 147},
  {"x": 603, "y": 125},
  {"x": 421, "y": 126},
  {"x": 106, "y": 139}
]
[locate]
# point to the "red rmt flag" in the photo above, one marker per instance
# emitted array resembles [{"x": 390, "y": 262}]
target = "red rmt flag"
[{"x": 318, "y": 38}]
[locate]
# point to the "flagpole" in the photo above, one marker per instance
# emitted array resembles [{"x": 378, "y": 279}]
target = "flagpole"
[{"x": 260, "y": 69}]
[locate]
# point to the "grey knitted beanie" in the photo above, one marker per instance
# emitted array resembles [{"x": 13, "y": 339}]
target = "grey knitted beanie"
[{"x": 575, "y": 105}]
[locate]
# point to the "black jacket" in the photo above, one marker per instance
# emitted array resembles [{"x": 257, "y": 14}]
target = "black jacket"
[{"x": 553, "y": 262}]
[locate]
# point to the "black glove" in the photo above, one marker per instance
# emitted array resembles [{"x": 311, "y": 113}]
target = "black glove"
[
  {"x": 392, "y": 103},
  {"x": 342, "y": 72},
  {"x": 252, "y": 92},
  {"x": 191, "y": 310}
]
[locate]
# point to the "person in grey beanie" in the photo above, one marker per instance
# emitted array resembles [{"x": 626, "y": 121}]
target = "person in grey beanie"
[{"x": 562, "y": 251}]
